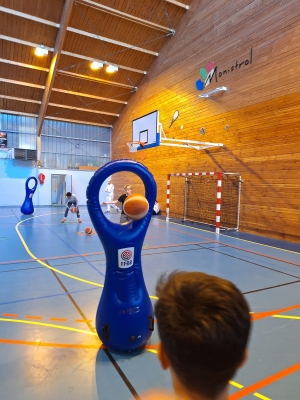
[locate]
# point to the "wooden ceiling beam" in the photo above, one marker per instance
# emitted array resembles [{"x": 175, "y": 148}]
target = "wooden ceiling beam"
[
  {"x": 116, "y": 42},
  {"x": 90, "y": 96},
  {"x": 22, "y": 99},
  {"x": 80, "y": 32},
  {"x": 19, "y": 64},
  {"x": 73, "y": 121},
  {"x": 93, "y": 79},
  {"x": 66, "y": 14},
  {"x": 178, "y": 3},
  {"x": 33, "y": 85},
  {"x": 22, "y": 83},
  {"x": 54, "y": 118},
  {"x": 83, "y": 109},
  {"x": 123, "y": 15},
  {"x": 67, "y": 53},
  {"x": 17, "y": 113},
  {"x": 24, "y": 42},
  {"x": 19, "y": 99},
  {"x": 28, "y": 16}
]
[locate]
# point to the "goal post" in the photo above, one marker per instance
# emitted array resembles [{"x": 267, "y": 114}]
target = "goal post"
[{"x": 211, "y": 198}]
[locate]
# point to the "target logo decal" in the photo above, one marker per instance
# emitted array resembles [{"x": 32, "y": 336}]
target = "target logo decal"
[{"x": 125, "y": 257}]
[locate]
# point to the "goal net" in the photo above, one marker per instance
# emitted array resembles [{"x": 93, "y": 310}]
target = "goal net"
[{"x": 211, "y": 198}]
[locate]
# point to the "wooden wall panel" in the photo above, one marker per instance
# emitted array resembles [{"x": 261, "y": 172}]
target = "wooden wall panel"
[{"x": 261, "y": 107}]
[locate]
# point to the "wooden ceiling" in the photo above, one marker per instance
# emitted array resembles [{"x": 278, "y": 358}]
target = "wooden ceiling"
[{"x": 128, "y": 34}]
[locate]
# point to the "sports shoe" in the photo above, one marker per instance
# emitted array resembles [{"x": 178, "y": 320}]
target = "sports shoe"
[
  {"x": 105, "y": 212},
  {"x": 79, "y": 220},
  {"x": 63, "y": 220}
]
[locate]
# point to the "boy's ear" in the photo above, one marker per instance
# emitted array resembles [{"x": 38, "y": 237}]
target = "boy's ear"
[{"x": 164, "y": 361}]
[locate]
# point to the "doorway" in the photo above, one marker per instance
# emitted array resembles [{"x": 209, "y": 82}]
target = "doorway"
[{"x": 60, "y": 185}]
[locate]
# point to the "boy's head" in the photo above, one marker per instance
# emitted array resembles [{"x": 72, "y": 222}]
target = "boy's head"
[
  {"x": 69, "y": 194},
  {"x": 128, "y": 189},
  {"x": 204, "y": 324}
]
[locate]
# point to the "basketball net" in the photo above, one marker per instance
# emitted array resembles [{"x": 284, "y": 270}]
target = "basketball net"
[{"x": 133, "y": 145}]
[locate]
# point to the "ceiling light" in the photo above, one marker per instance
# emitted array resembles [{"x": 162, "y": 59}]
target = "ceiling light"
[
  {"x": 219, "y": 89},
  {"x": 96, "y": 65},
  {"x": 41, "y": 51},
  {"x": 112, "y": 68}
]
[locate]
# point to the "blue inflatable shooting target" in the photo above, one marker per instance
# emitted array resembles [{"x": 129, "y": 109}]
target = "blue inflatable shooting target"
[
  {"x": 27, "y": 207},
  {"x": 124, "y": 319}
]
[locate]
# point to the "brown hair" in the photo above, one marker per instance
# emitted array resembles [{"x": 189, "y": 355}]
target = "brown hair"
[{"x": 204, "y": 324}]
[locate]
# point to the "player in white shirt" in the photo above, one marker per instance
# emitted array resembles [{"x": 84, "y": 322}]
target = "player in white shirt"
[{"x": 110, "y": 196}]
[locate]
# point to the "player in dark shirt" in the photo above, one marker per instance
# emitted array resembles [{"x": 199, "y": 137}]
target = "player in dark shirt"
[{"x": 121, "y": 199}]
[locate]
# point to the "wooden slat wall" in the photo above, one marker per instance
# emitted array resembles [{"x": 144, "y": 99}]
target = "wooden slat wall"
[{"x": 261, "y": 107}]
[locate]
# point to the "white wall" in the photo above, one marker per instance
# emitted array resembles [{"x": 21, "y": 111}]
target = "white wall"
[{"x": 13, "y": 176}]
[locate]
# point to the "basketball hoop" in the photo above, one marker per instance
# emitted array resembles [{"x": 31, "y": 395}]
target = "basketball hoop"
[{"x": 133, "y": 145}]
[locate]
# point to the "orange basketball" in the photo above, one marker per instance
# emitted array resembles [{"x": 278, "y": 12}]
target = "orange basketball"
[
  {"x": 136, "y": 206},
  {"x": 73, "y": 210},
  {"x": 88, "y": 230}
]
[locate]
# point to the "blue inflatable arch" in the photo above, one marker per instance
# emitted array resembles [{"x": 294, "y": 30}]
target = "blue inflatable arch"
[{"x": 124, "y": 319}]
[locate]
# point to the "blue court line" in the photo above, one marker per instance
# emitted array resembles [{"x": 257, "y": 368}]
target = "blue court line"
[
  {"x": 49, "y": 296},
  {"x": 76, "y": 252}
]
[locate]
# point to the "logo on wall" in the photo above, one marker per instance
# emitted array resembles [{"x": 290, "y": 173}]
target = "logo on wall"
[
  {"x": 212, "y": 71},
  {"x": 206, "y": 75},
  {"x": 3, "y": 140}
]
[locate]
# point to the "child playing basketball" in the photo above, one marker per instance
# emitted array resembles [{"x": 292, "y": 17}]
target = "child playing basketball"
[
  {"x": 121, "y": 199},
  {"x": 71, "y": 201}
]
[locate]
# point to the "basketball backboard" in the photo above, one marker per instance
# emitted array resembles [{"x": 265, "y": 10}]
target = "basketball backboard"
[
  {"x": 145, "y": 129},
  {"x": 149, "y": 131}
]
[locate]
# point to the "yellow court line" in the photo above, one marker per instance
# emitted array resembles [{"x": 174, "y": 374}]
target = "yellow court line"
[
  {"x": 238, "y": 385},
  {"x": 232, "y": 237},
  {"x": 285, "y": 316},
  {"x": 55, "y": 269},
  {"x": 46, "y": 265},
  {"x": 66, "y": 328},
  {"x": 38, "y": 343},
  {"x": 152, "y": 351},
  {"x": 260, "y": 396}
]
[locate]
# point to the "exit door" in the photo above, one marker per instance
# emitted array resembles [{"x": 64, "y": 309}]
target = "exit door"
[{"x": 60, "y": 185}]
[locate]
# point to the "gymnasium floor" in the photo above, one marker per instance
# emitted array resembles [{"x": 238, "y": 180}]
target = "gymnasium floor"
[{"x": 50, "y": 284}]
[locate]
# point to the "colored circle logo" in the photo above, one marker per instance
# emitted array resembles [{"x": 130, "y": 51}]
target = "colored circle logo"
[
  {"x": 126, "y": 255},
  {"x": 206, "y": 76}
]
